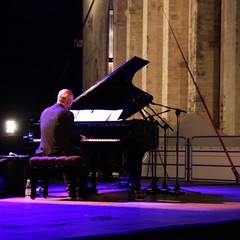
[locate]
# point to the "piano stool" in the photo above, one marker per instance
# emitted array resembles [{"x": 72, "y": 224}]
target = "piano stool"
[{"x": 42, "y": 167}]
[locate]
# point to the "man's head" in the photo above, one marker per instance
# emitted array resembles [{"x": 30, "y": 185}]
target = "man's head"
[{"x": 65, "y": 98}]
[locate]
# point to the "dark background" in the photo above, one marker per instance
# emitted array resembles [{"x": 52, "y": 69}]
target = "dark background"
[{"x": 37, "y": 56}]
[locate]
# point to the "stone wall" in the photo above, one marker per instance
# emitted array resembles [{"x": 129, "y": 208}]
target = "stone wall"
[
  {"x": 230, "y": 68},
  {"x": 192, "y": 46}
]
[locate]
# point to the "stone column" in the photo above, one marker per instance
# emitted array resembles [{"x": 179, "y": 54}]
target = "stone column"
[
  {"x": 152, "y": 48},
  {"x": 230, "y": 67},
  {"x": 119, "y": 32},
  {"x": 175, "y": 41},
  {"x": 204, "y": 57},
  {"x": 95, "y": 36}
]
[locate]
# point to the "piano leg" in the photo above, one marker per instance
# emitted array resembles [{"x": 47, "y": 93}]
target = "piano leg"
[
  {"x": 134, "y": 161},
  {"x": 94, "y": 160},
  {"x": 134, "y": 169}
]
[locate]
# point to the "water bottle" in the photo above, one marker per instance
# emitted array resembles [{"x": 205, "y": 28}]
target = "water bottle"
[{"x": 28, "y": 189}]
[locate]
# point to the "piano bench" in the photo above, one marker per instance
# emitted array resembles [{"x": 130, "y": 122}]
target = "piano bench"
[{"x": 42, "y": 167}]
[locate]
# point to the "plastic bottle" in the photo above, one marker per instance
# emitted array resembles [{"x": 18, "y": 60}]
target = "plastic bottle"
[{"x": 28, "y": 189}]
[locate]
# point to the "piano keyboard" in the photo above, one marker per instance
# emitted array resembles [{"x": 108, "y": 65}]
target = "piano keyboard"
[
  {"x": 89, "y": 140},
  {"x": 101, "y": 140}
]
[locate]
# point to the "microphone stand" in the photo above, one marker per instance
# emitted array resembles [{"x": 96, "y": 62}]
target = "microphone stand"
[
  {"x": 164, "y": 184},
  {"x": 177, "y": 188},
  {"x": 165, "y": 127},
  {"x": 153, "y": 185}
]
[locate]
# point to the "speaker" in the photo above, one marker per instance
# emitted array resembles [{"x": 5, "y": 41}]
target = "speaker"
[
  {"x": 14, "y": 171},
  {"x": 4, "y": 189}
]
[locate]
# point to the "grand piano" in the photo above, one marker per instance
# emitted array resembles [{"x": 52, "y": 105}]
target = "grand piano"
[
  {"x": 132, "y": 137},
  {"x": 129, "y": 137}
]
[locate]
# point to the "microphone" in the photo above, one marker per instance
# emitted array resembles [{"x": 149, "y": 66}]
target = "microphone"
[
  {"x": 157, "y": 114},
  {"x": 168, "y": 110},
  {"x": 176, "y": 109},
  {"x": 158, "y": 104}
]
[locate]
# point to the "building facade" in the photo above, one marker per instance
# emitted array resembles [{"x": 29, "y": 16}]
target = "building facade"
[{"x": 192, "y": 47}]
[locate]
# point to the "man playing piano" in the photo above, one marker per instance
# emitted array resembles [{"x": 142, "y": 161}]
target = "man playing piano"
[{"x": 59, "y": 137}]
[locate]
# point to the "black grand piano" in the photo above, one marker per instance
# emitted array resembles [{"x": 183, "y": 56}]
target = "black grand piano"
[
  {"x": 132, "y": 137},
  {"x": 129, "y": 137}
]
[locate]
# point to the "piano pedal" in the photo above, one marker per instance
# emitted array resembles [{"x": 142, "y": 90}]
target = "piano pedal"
[
  {"x": 115, "y": 175},
  {"x": 140, "y": 194},
  {"x": 98, "y": 175},
  {"x": 123, "y": 182},
  {"x": 135, "y": 186}
]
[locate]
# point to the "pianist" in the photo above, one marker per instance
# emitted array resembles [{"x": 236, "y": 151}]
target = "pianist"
[{"x": 59, "y": 137}]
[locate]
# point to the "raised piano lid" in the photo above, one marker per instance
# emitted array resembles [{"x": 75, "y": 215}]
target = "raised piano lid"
[{"x": 116, "y": 91}]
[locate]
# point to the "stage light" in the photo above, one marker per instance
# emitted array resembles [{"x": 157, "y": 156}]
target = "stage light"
[{"x": 11, "y": 127}]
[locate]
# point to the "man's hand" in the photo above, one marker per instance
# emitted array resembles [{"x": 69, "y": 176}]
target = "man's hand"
[{"x": 84, "y": 139}]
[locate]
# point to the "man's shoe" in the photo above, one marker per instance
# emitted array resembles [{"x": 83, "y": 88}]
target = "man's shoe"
[
  {"x": 83, "y": 195},
  {"x": 73, "y": 198}
]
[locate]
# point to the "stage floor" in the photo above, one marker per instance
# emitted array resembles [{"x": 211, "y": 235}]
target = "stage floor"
[{"x": 198, "y": 210}]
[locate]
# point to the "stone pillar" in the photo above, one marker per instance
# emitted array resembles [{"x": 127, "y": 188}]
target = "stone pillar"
[
  {"x": 230, "y": 67},
  {"x": 152, "y": 48},
  {"x": 175, "y": 41},
  {"x": 134, "y": 37},
  {"x": 95, "y": 36},
  {"x": 119, "y": 32},
  {"x": 204, "y": 58},
  {"x": 134, "y": 28}
]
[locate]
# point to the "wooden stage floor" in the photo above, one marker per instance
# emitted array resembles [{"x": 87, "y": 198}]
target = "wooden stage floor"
[{"x": 198, "y": 211}]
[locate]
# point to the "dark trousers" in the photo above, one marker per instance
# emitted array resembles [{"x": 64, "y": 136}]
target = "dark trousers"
[{"x": 76, "y": 182}]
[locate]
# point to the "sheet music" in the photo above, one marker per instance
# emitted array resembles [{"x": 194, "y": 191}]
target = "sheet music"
[{"x": 92, "y": 115}]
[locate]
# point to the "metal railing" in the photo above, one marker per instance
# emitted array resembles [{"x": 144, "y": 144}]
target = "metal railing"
[{"x": 201, "y": 158}]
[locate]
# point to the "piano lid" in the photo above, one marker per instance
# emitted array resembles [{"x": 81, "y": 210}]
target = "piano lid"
[{"x": 116, "y": 91}]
